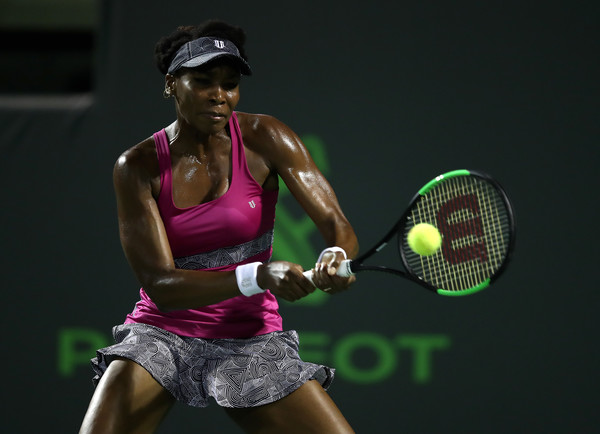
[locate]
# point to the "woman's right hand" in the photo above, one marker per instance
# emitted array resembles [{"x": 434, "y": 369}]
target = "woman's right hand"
[{"x": 284, "y": 279}]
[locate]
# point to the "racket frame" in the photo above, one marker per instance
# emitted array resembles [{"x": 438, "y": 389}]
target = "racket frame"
[{"x": 358, "y": 264}]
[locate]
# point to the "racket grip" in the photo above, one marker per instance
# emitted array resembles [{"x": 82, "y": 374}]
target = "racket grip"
[{"x": 343, "y": 270}]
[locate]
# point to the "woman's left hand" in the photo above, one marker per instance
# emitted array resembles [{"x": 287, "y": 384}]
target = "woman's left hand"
[{"x": 324, "y": 274}]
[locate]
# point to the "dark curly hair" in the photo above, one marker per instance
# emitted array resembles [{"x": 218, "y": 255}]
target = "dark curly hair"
[{"x": 167, "y": 46}]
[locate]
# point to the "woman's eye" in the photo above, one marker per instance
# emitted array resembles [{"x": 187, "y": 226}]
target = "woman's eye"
[{"x": 230, "y": 86}]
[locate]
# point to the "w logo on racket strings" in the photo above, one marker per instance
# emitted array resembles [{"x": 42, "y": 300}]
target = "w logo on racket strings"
[{"x": 458, "y": 220}]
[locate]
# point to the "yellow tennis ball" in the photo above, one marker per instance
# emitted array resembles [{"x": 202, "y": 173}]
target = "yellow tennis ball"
[{"x": 424, "y": 239}]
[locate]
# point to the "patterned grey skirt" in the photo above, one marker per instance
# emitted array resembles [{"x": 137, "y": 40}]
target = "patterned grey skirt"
[{"x": 235, "y": 372}]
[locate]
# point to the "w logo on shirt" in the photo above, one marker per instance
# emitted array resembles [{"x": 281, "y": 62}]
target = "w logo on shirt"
[{"x": 252, "y": 204}]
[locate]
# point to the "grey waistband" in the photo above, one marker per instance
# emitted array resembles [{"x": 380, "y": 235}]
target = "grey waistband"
[{"x": 226, "y": 255}]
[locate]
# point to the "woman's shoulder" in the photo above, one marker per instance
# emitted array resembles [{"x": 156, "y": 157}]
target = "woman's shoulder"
[
  {"x": 140, "y": 158},
  {"x": 256, "y": 122},
  {"x": 261, "y": 129}
]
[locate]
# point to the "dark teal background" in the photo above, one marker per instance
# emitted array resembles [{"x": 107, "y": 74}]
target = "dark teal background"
[{"x": 398, "y": 92}]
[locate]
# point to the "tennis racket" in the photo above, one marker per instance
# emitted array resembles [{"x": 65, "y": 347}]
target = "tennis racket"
[{"x": 475, "y": 219}]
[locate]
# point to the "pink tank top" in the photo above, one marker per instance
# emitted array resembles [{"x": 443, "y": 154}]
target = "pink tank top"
[{"x": 234, "y": 229}]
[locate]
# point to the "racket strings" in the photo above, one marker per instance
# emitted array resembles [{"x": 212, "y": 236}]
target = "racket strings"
[{"x": 473, "y": 221}]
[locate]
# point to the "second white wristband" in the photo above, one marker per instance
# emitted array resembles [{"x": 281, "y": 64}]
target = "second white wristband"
[{"x": 332, "y": 249}]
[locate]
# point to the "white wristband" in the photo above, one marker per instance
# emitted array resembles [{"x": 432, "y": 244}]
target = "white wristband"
[
  {"x": 246, "y": 279},
  {"x": 332, "y": 249}
]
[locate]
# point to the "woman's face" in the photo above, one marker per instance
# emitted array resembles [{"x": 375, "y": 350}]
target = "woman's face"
[{"x": 207, "y": 96}]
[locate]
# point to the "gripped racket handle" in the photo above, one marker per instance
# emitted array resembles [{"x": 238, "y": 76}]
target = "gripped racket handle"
[{"x": 343, "y": 270}]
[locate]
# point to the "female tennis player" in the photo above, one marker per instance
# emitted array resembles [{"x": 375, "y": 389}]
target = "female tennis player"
[{"x": 196, "y": 209}]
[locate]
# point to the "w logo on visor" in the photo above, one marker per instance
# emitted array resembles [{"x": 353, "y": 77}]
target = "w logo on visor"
[{"x": 220, "y": 44}]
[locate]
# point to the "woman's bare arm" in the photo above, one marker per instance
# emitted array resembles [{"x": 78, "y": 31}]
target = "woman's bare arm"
[{"x": 288, "y": 156}]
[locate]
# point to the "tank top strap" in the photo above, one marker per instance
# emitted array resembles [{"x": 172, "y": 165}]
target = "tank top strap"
[
  {"x": 164, "y": 164},
  {"x": 240, "y": 170},
  {"x": 238, "y": 156}
]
